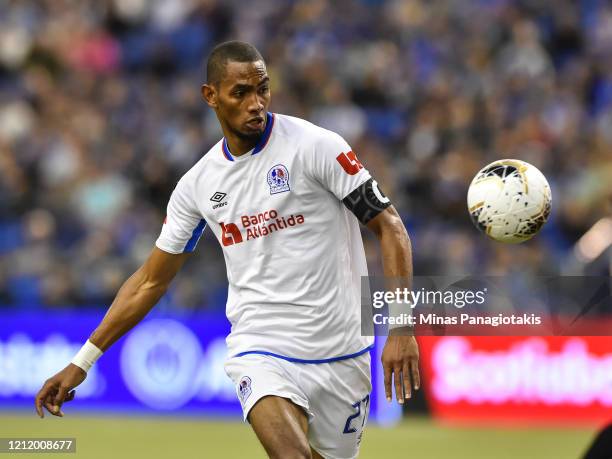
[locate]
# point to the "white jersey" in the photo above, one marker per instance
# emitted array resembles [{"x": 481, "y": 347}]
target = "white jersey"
[{"x": 293, "y": 252}]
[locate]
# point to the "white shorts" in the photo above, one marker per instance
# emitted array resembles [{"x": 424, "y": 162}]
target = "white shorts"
[{"x": 335, "y": 396}]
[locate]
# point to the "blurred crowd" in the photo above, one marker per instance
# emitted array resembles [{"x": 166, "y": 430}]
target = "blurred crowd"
[{"x": 100, "y": 115}]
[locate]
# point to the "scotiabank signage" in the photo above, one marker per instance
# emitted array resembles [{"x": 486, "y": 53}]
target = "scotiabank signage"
[{"x": 549, "y": 379}]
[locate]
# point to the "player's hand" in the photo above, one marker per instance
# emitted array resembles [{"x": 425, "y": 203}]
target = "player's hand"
[
  {"x": 400, "y": 360},
  {"x": 58, "y": 389}
]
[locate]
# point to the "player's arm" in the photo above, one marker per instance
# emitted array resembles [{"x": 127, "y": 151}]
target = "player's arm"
[
  {"x": 134, "y": 300},
  {"x": 179, "y": 236},
  {"x": 400, "y": 357},
  {"x": 137, "y": 296},
  {"x": 336, "y": 167}
]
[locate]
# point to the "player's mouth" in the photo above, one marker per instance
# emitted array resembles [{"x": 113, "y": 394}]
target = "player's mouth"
[{"x": 256, "y": 124}]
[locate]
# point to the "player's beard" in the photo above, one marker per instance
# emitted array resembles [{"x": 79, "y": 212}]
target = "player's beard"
[{"x": 249, "y": 136}]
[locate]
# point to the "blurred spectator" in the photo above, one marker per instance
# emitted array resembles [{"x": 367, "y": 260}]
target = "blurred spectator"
[{"x": 100, "y": 114}]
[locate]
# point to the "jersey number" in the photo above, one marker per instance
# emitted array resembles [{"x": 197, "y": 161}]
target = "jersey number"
[
  {"x": 366, "y": 403},
  {"x": 349, "y": 162}
]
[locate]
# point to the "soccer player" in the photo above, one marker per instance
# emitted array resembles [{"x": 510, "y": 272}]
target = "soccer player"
[{"x": 284, "y": 198}]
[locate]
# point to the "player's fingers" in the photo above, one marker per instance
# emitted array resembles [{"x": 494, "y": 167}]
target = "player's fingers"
[
  {"x": 62, "y": 391},
  {"x": 52, "y": 408},
  {"x": 397, "y": 379},
  {"x": 38, "y": 403},
  {"x": 42, "y": 395},
  {"x": 387, "y": 371},
  {"x": 49, "y": 405},
  {"x": 416, "y": 375},
  {"x": 60, "y": 395},
  {"x": 406, "y": 380},
  {"x": 70, "y": 396}
]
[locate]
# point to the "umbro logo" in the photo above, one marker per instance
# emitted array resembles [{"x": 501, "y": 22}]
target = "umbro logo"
[{"x": 218, "y": 197}]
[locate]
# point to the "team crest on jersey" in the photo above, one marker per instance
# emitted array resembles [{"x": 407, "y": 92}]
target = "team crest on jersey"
[
  {"x": 244, "y": 388},
  {"x": 278, "y": 179}
]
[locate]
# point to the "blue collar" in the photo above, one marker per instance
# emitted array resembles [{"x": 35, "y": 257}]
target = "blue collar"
[{"x": 261, "y": 144}]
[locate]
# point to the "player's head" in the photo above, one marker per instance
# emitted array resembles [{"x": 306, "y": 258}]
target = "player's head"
[{"x": 237, "y": 88}]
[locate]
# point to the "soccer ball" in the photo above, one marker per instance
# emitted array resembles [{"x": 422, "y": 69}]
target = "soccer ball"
[{"x": 509, "y": 200}]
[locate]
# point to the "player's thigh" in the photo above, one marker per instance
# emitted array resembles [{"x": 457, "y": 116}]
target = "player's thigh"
[
  {"x": 340, "y": 407},
  {"x": 281, "y": 426},
  {"x": 338, "y": 425}
]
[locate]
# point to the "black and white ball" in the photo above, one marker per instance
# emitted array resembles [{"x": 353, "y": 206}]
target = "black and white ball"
[{"x": 509, "y": 200}]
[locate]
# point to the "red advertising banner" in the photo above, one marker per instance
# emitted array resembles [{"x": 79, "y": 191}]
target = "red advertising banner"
[{"x": 519, "y": 379}]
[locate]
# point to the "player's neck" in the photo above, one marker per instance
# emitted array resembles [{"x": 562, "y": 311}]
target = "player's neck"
[{"x": 237, "y": 145}]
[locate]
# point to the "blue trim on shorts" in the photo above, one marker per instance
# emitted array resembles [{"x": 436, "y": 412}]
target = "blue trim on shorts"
[{"x": 294, "y": 360}]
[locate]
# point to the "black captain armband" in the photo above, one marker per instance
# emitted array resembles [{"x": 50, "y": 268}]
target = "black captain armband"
[{"x": 366, "y": 201}]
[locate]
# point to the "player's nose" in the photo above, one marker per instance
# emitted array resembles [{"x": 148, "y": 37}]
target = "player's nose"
[{"x": 256, "y": 104}]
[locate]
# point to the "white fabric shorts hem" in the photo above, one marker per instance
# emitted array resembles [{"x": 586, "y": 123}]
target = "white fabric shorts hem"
[
  {"x": 335, "y": 396},
  {"x": 295, "y": 399}
]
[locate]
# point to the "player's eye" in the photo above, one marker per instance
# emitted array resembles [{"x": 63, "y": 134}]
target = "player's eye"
[{"x": 263, "y": 89}]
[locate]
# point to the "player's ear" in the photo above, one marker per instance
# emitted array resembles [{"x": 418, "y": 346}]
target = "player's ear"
[{"x": 209, "y": 94}]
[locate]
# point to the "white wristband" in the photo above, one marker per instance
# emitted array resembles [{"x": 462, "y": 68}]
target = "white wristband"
[
  {"x": 87, "y": 356},
  {"x": 398, "y": 315}
]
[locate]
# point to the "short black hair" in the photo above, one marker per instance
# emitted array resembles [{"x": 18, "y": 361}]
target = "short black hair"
[{"x": 238, "y": 51}]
